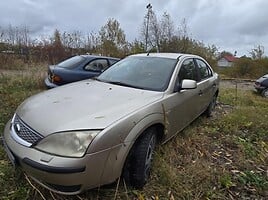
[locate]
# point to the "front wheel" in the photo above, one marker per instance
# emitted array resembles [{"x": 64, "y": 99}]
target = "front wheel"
[
  {"x": 139, "y": 163},
  {"x": 265, "y": 93}
]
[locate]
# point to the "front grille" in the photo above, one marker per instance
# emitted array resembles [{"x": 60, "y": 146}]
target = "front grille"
[{"x": 25, "y": 132}]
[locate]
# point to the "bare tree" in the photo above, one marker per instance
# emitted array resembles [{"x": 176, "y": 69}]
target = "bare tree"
[
  {"x": 184, "y": 36},
  {"x": 150, "y": 31},
  {"x": 113, "y": 38},
  {"x": 25, "y": 36},
  {"x": 167, "y": 27},
  {"x": 2, "y": 34},
  {"x": 257, "y": 52},
  {"x": 73, "y": 40},
  {"x": 56, "y": 51},
  {"x": 10, "y": 35},
  {"x": 159, "y": 32},
  {"x": 92, "y": 43},
  {"x": 18, "y": 35}
]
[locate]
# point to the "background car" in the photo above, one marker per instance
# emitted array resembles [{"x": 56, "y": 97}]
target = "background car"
[
  {"x": 261, "y": 85},
  {"x": 77, "y": 68},
  {"x": 89, "y": 133}
]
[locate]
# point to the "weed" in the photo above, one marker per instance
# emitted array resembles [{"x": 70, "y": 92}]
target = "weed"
[
  {"x": 226, "y": 181},
  {"x": 247, "y": 147},
  {"x": 223, "y": 157},
  {"x": 251, "y": 178}
]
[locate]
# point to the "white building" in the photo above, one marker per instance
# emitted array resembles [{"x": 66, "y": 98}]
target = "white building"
[{"x": 226, "y": 61}]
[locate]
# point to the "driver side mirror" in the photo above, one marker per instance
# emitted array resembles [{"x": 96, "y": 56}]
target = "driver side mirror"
[{"x": 186, "y": 84}]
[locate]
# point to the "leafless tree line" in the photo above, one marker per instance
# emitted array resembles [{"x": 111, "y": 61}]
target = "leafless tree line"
[
  {"x": 15, "y": 35},
  {"x": 162, "y": 36}
]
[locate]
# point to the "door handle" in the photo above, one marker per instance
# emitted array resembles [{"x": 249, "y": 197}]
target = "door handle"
[{"x": 200, "y": 93}]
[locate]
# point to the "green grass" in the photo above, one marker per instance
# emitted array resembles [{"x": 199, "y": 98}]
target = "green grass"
[
  {"x": 223, "y": 157},
  {"x": 13, "y": 90}
]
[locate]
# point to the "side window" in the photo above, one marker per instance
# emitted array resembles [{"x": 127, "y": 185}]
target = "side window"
[
  {"x": 188, "y": 70},
  {"x": 97, "y": 65},
  {"x": 204, "y": 70}
]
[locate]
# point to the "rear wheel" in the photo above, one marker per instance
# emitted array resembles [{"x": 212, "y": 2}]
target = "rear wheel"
[
  {"x": 211, "y": 106},
  {"x": 265, "y": 93},
  {"x": 139, "y": 162}
]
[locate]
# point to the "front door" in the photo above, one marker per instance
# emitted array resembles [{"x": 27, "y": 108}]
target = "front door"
[{"x": 181, "y": 108}]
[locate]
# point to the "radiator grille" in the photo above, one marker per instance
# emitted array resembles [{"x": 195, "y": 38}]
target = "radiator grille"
[{"x": 25, "y": 132}]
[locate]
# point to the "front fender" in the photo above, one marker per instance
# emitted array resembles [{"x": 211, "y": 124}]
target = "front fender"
[
  {"x": 145, "y": 123},
  {"x": 117, "y": 156}
]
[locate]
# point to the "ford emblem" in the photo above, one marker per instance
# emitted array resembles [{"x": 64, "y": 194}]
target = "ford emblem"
[{"x": 17, "y": 127}]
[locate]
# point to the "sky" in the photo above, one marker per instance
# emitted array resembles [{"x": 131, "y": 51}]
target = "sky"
[{"x": 230, "y": 25}]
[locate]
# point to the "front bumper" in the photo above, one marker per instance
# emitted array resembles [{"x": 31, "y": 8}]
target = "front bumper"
[
  {"x": 60, "y": 174},
  {"x": 258, "y": 87}
]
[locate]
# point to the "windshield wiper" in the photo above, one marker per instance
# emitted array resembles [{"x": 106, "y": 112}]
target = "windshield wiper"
[{"x": 123, "y": 84}]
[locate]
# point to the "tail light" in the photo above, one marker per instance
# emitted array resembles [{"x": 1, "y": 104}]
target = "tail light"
[{"x": 55, "y": 78}]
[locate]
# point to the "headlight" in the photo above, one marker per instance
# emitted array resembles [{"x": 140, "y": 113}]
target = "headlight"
[{"x": 68, "y": 144}]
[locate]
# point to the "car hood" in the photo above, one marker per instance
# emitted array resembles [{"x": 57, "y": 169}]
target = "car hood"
[{"x": 83, "y": 105}]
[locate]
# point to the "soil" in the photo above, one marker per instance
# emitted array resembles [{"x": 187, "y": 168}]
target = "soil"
[{"x": 239, "y": 84}]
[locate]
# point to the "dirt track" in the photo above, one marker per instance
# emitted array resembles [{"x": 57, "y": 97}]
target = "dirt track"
[{"x": 239, "y": 84}]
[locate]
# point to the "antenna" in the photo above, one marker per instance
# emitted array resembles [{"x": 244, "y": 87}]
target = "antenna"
[{"x": 149, "y": 7}]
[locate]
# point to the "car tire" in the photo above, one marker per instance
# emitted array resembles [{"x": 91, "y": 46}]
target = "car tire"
[
  {"x": 211, "y": 106},
  {"x": 265, "y": 93},
  {"x": 138, "y": 165}
]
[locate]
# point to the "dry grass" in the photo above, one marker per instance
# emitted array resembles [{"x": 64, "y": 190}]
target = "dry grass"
[{"x": 225, "y": 157}]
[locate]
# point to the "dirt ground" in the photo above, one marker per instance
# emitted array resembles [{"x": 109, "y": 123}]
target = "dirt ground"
[{"x": 239, "y": 84}]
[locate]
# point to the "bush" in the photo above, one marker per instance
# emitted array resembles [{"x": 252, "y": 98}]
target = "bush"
[{"x": 247, "y": 68}]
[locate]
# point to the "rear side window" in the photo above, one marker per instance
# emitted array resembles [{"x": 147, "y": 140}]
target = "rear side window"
[
  {"x": 188, "y": 70},
  {"x": 72, "y": 62},
  {"x": 97, "y": 65},
  {"x": 204, "y": 70}
]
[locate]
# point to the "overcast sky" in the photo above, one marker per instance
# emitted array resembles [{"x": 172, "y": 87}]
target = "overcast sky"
[{"x": 231, "y": 25}]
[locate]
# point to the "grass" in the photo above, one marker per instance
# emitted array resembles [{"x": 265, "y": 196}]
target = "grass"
[{"x": 225, "y": 157}]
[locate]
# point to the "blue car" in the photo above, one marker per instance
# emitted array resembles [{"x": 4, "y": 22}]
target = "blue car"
[
  {"x": 261, "y": 85},
  {"x": 77, "y": 68}
]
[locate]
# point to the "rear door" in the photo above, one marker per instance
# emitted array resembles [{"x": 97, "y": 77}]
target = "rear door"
[{"x": 206, "y": 84}]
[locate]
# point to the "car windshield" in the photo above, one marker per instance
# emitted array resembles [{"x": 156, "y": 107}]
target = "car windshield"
[
  {"x": 71, "y": 62},
  {"x": 149, "y": 73}
]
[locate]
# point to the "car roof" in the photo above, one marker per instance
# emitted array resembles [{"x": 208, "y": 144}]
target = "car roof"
[
  {"x": 167, "y": 55},
  {"x": 97, "y": 56}
]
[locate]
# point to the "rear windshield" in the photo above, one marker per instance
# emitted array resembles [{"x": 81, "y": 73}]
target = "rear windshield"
[{"x": 71, "y": 62}]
